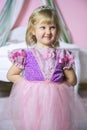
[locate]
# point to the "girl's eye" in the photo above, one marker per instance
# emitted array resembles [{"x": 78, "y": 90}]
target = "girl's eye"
[
  {"x": 53, "y": 27},
  {"x": 42, "y": 27}
]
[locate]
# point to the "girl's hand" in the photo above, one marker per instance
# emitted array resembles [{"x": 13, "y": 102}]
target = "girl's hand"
[
  {"x": 14, "y": 74},
  {"x": 70, "y": 76}
]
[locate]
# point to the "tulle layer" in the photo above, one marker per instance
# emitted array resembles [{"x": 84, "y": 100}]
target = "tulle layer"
[{"x": 46, "y": 106}]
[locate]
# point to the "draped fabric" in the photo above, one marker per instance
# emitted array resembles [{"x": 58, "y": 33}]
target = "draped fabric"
[
  {"x": 11, "y": 11},
  {"x": 8, "y": 17}
]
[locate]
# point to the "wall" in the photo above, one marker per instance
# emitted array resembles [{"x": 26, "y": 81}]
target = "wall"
[{"x": 74, "y": 13}]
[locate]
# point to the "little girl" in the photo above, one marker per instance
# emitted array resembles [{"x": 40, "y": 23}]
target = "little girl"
[{"x": 42, "y": 97}]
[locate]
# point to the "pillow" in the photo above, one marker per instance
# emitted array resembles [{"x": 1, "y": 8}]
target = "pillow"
[
  {"x": 83, "y": 62},
  {"x": 77, "y": 67},
  {"x": 17, "y": 35}
]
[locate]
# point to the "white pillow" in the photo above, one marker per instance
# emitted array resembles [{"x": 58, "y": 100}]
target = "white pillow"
[
  {"x": 17, "y": 35},
  {"x": 77, "y": 67},
  {"x": 83, "y": 62}
]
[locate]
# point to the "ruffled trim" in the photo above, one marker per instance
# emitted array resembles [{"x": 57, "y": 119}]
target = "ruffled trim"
[
  {"x": 67, "y": 58},
  {"x": 17, "y": 57}
]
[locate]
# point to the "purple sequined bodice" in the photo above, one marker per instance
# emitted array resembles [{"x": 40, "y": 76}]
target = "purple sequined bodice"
[
  {"x": 34, "y": 71},
  {"x": 42, "y": 64}
]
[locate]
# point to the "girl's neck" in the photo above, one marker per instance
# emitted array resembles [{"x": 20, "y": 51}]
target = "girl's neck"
[{"x": 43, "y": 46}]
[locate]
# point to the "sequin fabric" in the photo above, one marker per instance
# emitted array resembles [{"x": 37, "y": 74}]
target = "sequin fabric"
[{"x": 42, "y": 64}]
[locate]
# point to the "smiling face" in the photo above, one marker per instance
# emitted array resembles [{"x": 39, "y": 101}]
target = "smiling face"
[
  {"x": 43, "y": 28},
  {"x": 45, "y": 33}
]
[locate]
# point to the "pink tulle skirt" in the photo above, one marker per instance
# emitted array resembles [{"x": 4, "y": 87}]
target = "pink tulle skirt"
[{"x": 41, "y": 105}]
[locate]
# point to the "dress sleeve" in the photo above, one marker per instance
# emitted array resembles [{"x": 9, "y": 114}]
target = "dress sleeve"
[
  {"x": 66, "y": 58},
  {"x": 17, "y": 57}
]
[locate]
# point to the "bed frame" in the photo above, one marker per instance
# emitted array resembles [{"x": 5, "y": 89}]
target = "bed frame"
[{"x": 5, "y": 88}]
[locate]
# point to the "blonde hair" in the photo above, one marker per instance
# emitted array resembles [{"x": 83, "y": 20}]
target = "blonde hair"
[{"x": 41, "y": 12}]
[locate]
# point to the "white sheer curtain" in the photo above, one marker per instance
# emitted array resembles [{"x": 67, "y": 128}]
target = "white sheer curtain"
[{"x": 8, "y": 17}]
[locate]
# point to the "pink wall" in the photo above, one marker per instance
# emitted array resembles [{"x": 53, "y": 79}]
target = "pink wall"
[
  {"x": 75, "y": 15},
  {"x": 73, "y": 11}
]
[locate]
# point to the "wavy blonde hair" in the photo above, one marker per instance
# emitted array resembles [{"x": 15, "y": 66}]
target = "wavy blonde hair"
[{"x": 49, "y": 15}]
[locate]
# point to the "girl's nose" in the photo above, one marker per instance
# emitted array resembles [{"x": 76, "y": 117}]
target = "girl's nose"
[{"x": 48, "y": 31}]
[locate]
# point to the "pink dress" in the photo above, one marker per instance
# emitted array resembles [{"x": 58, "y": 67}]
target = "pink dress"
[{"x": 43, "y": 100}]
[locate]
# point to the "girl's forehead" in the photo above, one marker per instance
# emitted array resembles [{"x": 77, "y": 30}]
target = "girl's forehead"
[{"x": 46, "y": 21}]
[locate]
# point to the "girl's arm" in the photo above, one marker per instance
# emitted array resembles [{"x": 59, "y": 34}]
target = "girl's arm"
[
  {"x": 13, "y": 74},
  {"x": 70, "y": 76}
]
